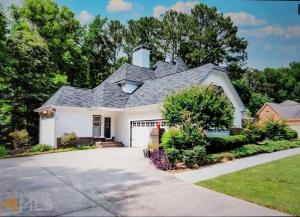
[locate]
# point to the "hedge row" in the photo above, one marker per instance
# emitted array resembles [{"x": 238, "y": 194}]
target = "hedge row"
[
  {"x": 221, "y": 144},
  {"x": 253, "y": 149}
]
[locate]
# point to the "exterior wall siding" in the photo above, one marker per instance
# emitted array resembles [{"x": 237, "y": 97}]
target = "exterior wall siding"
[{"x": 80, "y": 122}]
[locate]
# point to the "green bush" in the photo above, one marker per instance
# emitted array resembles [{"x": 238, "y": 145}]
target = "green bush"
[
  {"x": 183, "y": 139},
  {"x": 220, "y": 144},
  {"x": 247, "y": 150},
  {"x": 171, "y": 138},
  {"x": 267, "y": 146},
  {"x": 3, "y": 151},
  {"x": 254, "y": 133},
  {"x": 290, "y": 134},
  {"x": 214, "y": 158},
  {"x": 189, "y": 158},
  {"x": 69, "y": 139},
  {"x": 19, "y": 138},
  {"x": 275, "y": 130},
  {"x": 172, "y": 155},
  {"x": 192, "y": 136},
  {"x": 41, "y": 148},
  {"x": 208, "y": 107},
  {"x": 200, "y": 154}
]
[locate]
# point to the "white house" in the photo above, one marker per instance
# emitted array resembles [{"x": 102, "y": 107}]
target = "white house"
[{"x": 128, "y": 103}]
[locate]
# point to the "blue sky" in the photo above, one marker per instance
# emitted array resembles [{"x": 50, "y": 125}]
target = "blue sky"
[{"x": 271, "y": 28}]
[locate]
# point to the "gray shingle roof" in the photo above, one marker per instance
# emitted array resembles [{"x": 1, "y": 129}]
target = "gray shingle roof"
[
  {"x": 154, "y": 91},
  {"x": 71, "y": 96},
  {"x": 287, "y": 110},
  {"x": 109, "y": 95},
  {"x": 131, "y": 73},
  {"x": 164, "y": 69},
  {"x": 155, "y": 86}
]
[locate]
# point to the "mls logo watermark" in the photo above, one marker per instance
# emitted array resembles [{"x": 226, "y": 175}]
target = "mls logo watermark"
[{"x": 19, "y": 203}]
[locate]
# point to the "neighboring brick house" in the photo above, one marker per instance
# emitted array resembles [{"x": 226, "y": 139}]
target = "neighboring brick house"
[{"x": 288, "y": 111}]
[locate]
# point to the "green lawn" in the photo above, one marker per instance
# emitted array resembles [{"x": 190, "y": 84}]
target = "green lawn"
[{"x": 275, "y": 185}]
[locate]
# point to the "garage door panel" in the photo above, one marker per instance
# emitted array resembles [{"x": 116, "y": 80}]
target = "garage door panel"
[{"x": 141, "y": 136}]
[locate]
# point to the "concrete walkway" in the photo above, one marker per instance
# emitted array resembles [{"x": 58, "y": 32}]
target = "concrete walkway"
[{"x": 233, "y": 166}]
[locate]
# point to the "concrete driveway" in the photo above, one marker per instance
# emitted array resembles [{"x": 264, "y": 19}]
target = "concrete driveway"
[{"x": 107, "y": 182}]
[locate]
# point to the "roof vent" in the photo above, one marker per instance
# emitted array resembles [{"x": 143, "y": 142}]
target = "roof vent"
[{"x": 141, "y": 56}]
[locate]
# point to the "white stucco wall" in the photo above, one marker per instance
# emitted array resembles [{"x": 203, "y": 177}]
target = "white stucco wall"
[
  {"x": 80, "y": 121},
  {"x": 123, "y": 120},
  {"x": 47, "y": 131},
  {"x": 76, "y": 120},
  {"x": 221, "y": 79}
]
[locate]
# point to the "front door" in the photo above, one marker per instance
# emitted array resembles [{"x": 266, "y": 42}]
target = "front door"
[
  {"x": 97, "y": 126},
  {"x": 107, "y": 126}
]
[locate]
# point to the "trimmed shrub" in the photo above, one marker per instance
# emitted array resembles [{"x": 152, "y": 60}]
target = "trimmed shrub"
[
  {"x": 254, "y": 133},
  {"x": 183, "y": 139},
  {"x": 275, "y": 130},
  {"x": 200, "y": 153},
  {"x": 192, "y": 136},
  {"x": 171, "y": 138},
  {"x": 220, "y": 144},
  {"x": 214, "y": 158},
  {"x": 247, "y": 150},
  {"x": 290, "y": 134},
  {"x": 69, "y": 139},
  {"x": 267, "y": 146},
  {"x": 173, "y": 155},
  {"x": 189, "y": 158},
  {"x": 41, "y": 148},
  {"x": 3, "y": 151},
  {"x": 160, "y": 160},
  {"x": 20, "y": 138}
]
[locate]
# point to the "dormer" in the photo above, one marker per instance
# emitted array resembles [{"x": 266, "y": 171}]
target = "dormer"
[{"x": 129, "y": 86}]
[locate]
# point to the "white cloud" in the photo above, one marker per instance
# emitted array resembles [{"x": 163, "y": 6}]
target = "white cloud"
[
  {"x": 118, "y": 5},
  {"x": 6, "y": 3},
  {"x": 85, "y": 17},
  {"x": 244, "y": 19},
  {"x": 274, "y": 31},
  {"x": 183, "y": 7}
]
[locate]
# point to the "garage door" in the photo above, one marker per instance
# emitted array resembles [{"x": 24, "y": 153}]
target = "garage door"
[{"x": 140, "y": 132}]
